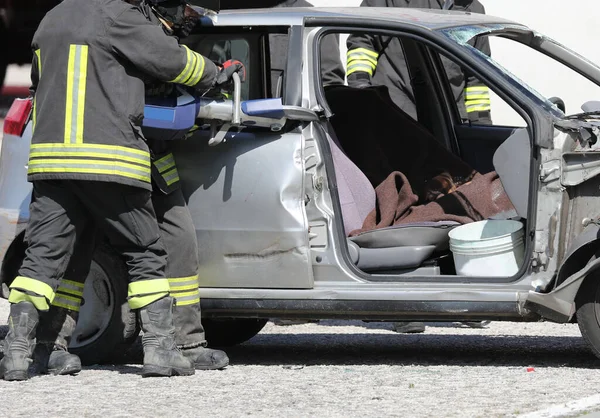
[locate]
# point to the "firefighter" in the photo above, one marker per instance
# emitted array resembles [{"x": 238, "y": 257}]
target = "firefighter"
[
  {"x": 379, "y": 60},
  {"x": 90, "y": 167},
  {"x": 177, "y": 233}
]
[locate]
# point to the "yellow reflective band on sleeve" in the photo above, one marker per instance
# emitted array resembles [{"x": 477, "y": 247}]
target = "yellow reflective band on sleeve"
[
  {"x": 38, "y": 56},
  {"x": 148, "y": 287},
  {"x": 171, "y": 177},
  {"x": 137, "y": 302},
  {"x": 193, "y": 70},
  {"x": 185, "y": 73},
  {"x": 361, "y": 59},
  {"x": 369, "y": 53},
  {"x": 40, "y": 302},
  {"x": 477, "y": 90},
  {"x": 482, "y": 108},
  {"x": 165, "y": 163},
  {"x": 76, "y": 87},
  {"x": 31, "y": 285}
]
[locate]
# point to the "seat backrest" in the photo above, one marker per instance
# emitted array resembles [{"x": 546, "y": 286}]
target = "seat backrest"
[
  {"x": 512, "y": 161},
  {"x": 357, "y": 195}
]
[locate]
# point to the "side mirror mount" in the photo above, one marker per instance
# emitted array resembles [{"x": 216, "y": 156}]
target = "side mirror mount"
[
  {"x": 592, "y": 106},
  {"x": 559, "y": 103}
]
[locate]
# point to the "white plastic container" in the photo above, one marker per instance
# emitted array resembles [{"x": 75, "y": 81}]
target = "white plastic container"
[{"x": 493, "y": 248}]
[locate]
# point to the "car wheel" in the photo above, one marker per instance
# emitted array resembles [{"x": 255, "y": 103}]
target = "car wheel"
[
  {"x": 588, "y": 312},
  {"x": 228, "y": 332},
  {"x": 106, "y": 325}
]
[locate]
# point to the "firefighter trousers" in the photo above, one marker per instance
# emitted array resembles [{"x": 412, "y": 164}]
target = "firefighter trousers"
[
  {"x": 62, "y": 213},
  {"x": 178, "y": 236}
]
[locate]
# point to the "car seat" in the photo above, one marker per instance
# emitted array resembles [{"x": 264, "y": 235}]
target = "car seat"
[{"x": 400, "y": 249}]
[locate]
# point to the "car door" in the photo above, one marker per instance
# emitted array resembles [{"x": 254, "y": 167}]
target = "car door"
[{"x": 246, "y": 194}]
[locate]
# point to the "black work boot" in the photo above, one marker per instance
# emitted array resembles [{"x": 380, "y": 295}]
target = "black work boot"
[
  {"x": 161, "y": 355},
  {"x": 189, "y": 336},
  {"x": 18, "y": 344},
  {"x": 51, "y": 353},
  {"x": 206, "y": 358}
]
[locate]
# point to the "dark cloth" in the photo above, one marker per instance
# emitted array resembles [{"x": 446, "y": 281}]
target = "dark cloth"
[
  {"x": 392, "y": 71},
  {"x": 332, "y": 69},
  {"x": 91, "y": 59},
  {"x": 380, "y": 138},
  {"x": 62, "y": 213},
  {"x": 481, "y": 198}
]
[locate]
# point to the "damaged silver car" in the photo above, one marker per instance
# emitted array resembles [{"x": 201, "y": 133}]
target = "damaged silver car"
[{"x": 315, "y": 201}]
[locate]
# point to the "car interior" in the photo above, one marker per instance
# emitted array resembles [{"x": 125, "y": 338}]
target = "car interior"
[{"x": 371, "y": 138}]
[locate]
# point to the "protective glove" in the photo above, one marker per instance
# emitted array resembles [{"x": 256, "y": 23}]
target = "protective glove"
[
  {"x": 226, "y": 71},
  {"x": 359, "y": 80}
]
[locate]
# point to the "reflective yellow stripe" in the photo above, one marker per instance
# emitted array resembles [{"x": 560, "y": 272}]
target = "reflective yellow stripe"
[
  {"x": 199, "y": 72},
  {"x": 171, "y": 177},
  {"x": 32, "y": 285},
  {"x": 84, "y": 162},
  {"x": 38, "y": 55},
  {"x": 70, "y": 287},
  {"x": 486, "y": 108},
  {"x": 90, "y": 155},
  {"x": 184, "y": 74},
  {"x": 478, "y": 90},
  {"x": 88, "y": 171},
  {"x": 360, "y": 57},
  {"x": 148, "y": 287},
  {"x": 69, "y": 98},
  {"x": 75, "y": 100},
  {"x": 40, "y": 302},
  {"x": 359, "y": 67},
  {"x": 66, "y": 305},
  {"x": 477, "y": 102},
  {"x": 365, "y": 51},
  {"x": 186, "y": 302},
  {"x": 67, "y": 302},
  {"x": 183, "y": 294},
  {"x": 165, "y": 163},
  {"x": 470, "y": 96},
  {"x": 177, "y": 289},
  {"x": 81, "y": 93},
  {"x": 182, "y": 279},
  {"x": 137, "y": 302},
  {"x": 56, "y": 147}
]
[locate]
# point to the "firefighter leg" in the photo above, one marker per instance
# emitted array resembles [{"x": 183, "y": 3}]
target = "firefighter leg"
[
  {"x": 56, "y": 327},
  {"x": 127, "y": 218},
  {"x": 56, "y": 219},
  {"x": 179, "y": 238}
]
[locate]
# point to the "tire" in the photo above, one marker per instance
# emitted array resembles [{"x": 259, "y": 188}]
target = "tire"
[
  {"x": 229, "y": 332},
  {"x": 106, "y": 326},
  {"x": 588, "y": 312}
]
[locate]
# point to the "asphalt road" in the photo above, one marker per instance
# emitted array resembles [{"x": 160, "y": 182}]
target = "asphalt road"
[{"x": 343, "y": 369}]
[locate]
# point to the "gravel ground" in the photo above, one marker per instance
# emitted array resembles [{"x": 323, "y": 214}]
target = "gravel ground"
[{"x": 340, "y": 368}]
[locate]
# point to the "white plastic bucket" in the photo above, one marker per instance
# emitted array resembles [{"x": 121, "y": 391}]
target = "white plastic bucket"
[{"x": 493, "y": 248}]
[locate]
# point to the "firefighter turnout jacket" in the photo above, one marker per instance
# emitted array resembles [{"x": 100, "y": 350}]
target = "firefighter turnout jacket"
[
  {"x": 88, "y": 87},
  {"x": 382, "y": 60}
]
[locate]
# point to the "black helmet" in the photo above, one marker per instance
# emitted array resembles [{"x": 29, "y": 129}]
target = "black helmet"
[{"x": 213, "y": 5}]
